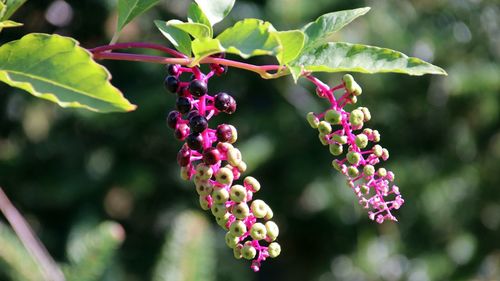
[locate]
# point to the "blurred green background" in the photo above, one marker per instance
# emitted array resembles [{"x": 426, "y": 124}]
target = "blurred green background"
[{"x": 67, "y": 169}]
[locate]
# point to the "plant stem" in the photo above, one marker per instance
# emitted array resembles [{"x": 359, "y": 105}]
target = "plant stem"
[{"x": 50, "y": 270}]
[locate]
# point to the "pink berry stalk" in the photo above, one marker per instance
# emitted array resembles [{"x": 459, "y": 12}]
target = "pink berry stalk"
[{"x": 339, "y": 128}]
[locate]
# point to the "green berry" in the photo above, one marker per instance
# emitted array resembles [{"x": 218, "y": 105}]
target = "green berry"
[
  {"x": 365, "y": 189},
  {"x": 382, "y": 172},
  {"x": 238, "y": 193},
  {"x": 204, "y": 171},
  {"x": 204, "y": 203},
  {"x": 242, "y": 167},
  {"x": 339, "y": 139},
  {"x": 240, "y": 210},
  {"x": 269, "y": 215},
  {"x": 369, "y": 170},
  {"x": 237, "y": 251},
  {"x": 333, "y": 117},
  {"x": 367, "y": 131},
  {"x": 185, "y": 173},
  {"x": 234, "y": 157},
  {"x": 356, "y": 118},
  {"x": 352, "y": 100},
  {"x": 366, "y": 114},
  {"x": 376, "y": 136},
  {"x": 352, "y": 171},
  {"x": 336, "y": 165},
  {"x": 361, "y": 141},
  {"x": 324, "y": 127},
  {"x": 251, "y": 183},
  {"x": 313, "y": 120},
  {"x": 258, "y": 231},
  {"x": 336, "y": 149},
  {"x": 274, "y": 249},
  {"x": 204, "y": 189},
  {"x": 353, "y": 157},
  {"x": 323, "y": 139},
  {"x": 272, "y": 230},
  {"x": 377, "y": 150},
  {"x": 220, "y": 196},
  {"x": 259, "y": 208},
  {"x": 224, "y": 176},
  {"x": 231, "y": 240},
  {"x": 234, "y": 134},
  {"x": 385, "y": 154},
  {"x": 351, "y": 85},
  {"x": 224, "y": 146},
  {"x": 222, "y": 220},
  {"x": 248, "y": 252},
  {"x": 218, "y": 210},
  {"x": 238, "y": 228}
]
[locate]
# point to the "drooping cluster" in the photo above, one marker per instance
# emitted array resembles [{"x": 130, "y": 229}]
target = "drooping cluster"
[
  {"x": 209, "y": 158},
  {"x": 357, "y": 148}
]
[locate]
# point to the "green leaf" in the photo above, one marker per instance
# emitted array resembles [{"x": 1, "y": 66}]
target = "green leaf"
[
  {"x": 9, "y": 23},
  {"x": 197, "y": 30},
  {"x": 292, "y": 42},
  {"x": 195, "y": 14},
  {"x": 346, "y": 57},
  {"x": 11, "y": 8},
  {"x": 55, "y": 68},
  {"x": 215, "y": 10},
  {"x": 178, "y": 38},
  {"x": 188, "y": 253},
  {"x": 129, "y": 9},
  {"x": 204, "y": 47},
  {"x": 320, "y": 31}
]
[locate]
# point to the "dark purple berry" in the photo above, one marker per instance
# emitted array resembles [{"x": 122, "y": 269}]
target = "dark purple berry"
[
  {"x": 225, "y": 103},
  {"x": 181, "y": 132},
  {"x": 183, "y": 105},
  {"x": 172, "y": 119},
  {"x": 224, "y": 133},
  {"x": 211, "y": 156},
  {"x": 183, "y": 156},
  {"x": 198, "y": 88},
  {"x": 198, "y": 123},
  {"x": 192, "y": 114},
  {"x": 183, "y": 91},
  {"x": 173, "y": 69},
  {"x": 195, "y": 141},
  {"x": 172, "y": 84}
]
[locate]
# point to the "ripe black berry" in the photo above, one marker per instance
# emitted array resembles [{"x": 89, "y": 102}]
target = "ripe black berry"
[
  {"x": 173, "y": 69},
  {"x": 183, "y": 91},
  {"x": 195, "y": 141},
  {"x": 198, "y": 123},
  {"x": 172, "y": 84},
  {"x": 173, "y": 118},
  {"x": 225, "y": 103},
  {"x": 192, "y": 114},
  {"x": 198, "y": 88},
  {"x": 224, "y": 133},
  {"x": 183, "y": 105},
  {"x": 211, "y": 156},
  {"x": 181, "y": 131}
]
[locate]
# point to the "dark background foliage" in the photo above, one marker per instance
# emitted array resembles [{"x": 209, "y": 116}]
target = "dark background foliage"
[{"x": 61, "y": 166}]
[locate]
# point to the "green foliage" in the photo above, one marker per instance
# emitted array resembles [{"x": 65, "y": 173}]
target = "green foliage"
[
  {"x": 195, "y": 14},
  {"x": 197, "y": 30},
  {"x": 9, "y": 23},
  {"x": 9, "y": 8},
  {"x": 15, "y": 259},
  {"x": 55, "y": 68},
  {"x": 188, "y": 251},
  {"x": 180, "y": 39},
  {"x": 215, "y": 10},
  {"x": 292, "y": 42},
  {"x": 130, "y": 9}
]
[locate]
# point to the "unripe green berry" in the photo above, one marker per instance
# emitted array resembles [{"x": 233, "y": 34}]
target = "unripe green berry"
[
  {"x": 336, "y": 165},
  {"x": 224, "y": 176},
  {"x": 377, "y": 150},
  {"x": 382, "y": 172},
  {"x": 333, "y": 117},
  {"x": 224, "y": 146},
  {"x": 234, "y": 157},
  {"x": 234, "y": 134},
  {"x": 220, "y": 195},
  {"x": 222, "y": 220},
  {"x": 237, "y": 251},
  {"x": 376, "y": 136},
  {"x": 251, "y": 183},
  {"x": 240, "y": 210},
  {"x": 366, "y": 113},
  {"x": 361, "y": 141},
  {"x": 248, "y": 252},
  {"x": 353, "y": 157},
  {"x": 274, "y": 249},
  {"x": 238, "y": 193},
  {"x": 339, "y": 139},
  {"x": 204, "y": 189},
  {"x": 352, "y": 100},
  {"x": 336, "y": 149},
  {"x": 238, "y": 228},
  {"x": 385, "y": 153},
  {"x": 367, "y": 131},
  {"x": 231, "y": 240},
  {"x": 242, "y": 167},
  {"x": 369, "y": 170},
  {"x": 351, "y": 85},
  {"x": 324, "y": 127},
  {"x": 272, "y": 230},
  {"x": 259, "y": 208},
  {"x": 323, "y": 139},
  {"x": 258, "y": 231},
  {"x": 269, "y": 215},
  {"x": 365, "y": 189},
  {"x": 204, "y": 203},
  {"x": 352, "y": 171},
  {"x": 185, "y": 173},
  {"x": 218, "y": 210},
  {"x": 356, "y": 118},
  {"x": 313, "y": 120},
  {"x": 204, "y": 171}
]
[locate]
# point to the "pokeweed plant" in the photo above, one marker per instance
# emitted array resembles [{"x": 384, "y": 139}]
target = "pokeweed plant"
[{"x": 56, "y": 68}]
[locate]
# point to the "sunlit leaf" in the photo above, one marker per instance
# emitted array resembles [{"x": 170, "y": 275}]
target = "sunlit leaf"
[
  {"x": 129, "y": 9},
  {"x": 215, "y": 10},
  {"x": 195, "y": 14},
  {"x": 55, "y": 68},
  {"x": 9, "y": 23},
  {"x": 197, "y": 30},
  {"x": 178, "y": 38},
  {"x": 11, "y": 8},
  {"x": 292, "y": 42}
]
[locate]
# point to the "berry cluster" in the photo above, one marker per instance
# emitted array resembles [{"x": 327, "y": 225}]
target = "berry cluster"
[
  {"x": 339, "y": 128},
  {"x": 210, "y": 160}
]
